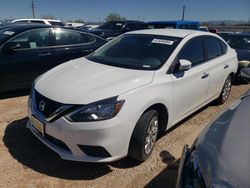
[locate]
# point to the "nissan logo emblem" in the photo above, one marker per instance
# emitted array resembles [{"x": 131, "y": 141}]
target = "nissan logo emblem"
[{"x": 42, "y": 105}]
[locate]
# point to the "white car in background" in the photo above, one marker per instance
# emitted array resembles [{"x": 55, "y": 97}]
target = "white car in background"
[
  {"x": 116, "y": 101},
  {"x": 39, "y": 21}
]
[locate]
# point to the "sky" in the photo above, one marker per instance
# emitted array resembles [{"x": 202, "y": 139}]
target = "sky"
[{"x": 147, "y": 10}]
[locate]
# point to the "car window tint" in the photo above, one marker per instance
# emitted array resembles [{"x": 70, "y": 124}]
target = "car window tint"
[
  {"x": 87, "y": 38},
  {"x": 32, "y": 39},
  {"x": 37, "y": 21},
  {"x": 193, "y": 51},
  {"x": 67, "y": 37},
  {"x": 213, "y": 47},
  {"x": 224, "y": 47}
]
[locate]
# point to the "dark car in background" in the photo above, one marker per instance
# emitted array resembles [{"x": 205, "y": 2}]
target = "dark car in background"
[
  {"x": 28, "y": 50},
  {"x": 112, "y": 29},
  {"x": 220, "y": 156},
  {"x": 241, "y": 43}
]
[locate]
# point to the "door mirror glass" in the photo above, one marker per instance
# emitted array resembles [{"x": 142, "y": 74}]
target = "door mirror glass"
[
  {"x": 185, "y": 65},
  {"x": 245, "y": 72},
  {"x": 9, "y": 47}
]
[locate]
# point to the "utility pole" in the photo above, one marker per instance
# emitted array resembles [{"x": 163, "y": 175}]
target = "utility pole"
[
  {"x": 183, "y": 13},
  {"x": 33, "y": 8}
]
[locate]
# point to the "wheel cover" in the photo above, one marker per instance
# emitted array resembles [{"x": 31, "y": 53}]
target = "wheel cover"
[
  {"x": 226, "y": 89},
  {"x": 151, "y": 135}
]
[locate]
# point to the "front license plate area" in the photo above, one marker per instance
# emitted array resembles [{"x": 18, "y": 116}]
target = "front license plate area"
[{"x": 37, "y": 124}]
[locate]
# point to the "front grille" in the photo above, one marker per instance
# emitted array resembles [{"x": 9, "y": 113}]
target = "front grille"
[{"x": 50, "y": 106}]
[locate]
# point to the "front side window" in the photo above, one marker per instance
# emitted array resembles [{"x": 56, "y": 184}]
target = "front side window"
[
  {"x": 213, "y": 47},
  {"x": 32, "y": 39},
  {"x": 56, "y": 23},
  {"x": 193, "y": 51},
  {"x": 67, "y": 37},
  {"x": 136, "y": 51}
]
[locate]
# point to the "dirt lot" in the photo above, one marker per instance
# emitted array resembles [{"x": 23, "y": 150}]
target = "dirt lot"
[{"x": 25, "y": 162}]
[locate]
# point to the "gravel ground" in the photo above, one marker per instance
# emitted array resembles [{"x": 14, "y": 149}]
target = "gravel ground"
[{"x": 25, "y": 162}]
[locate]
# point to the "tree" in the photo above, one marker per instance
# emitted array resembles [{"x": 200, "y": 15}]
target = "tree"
[
  {"x": 50, "y": 17},
  {"x": 114, "y": 17}
]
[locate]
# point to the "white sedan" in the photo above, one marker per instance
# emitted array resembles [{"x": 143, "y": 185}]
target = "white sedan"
[{"x": 116, "y": 101}]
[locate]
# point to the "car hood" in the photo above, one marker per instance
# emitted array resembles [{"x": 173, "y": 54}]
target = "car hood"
[
  {"x": 223, "y": 151},
  {"x": 243, "y": 54},
  {"x": 82, "y": 81}
]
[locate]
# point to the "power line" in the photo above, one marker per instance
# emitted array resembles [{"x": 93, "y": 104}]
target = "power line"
[
  {"x": 183, "y": 13},
  {"x": 33, "y": 8}
]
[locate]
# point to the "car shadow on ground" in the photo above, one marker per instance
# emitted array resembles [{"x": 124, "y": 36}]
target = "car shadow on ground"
[
  {"x": 168, "y": 176},
  {"x": 13, "y": 94},
  {"x": 31, "y": 153}
]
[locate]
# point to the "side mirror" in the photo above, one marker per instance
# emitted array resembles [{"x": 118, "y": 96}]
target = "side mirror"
[
  {"x": 9, "y": 47},
  {"x": 245, "y": 72},
  {"x": 185, "y": 65}
]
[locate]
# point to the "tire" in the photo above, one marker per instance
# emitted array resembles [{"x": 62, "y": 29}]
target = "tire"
[
  {"x": 225, "y": 91},
  {"x": 144, "y": 136}
]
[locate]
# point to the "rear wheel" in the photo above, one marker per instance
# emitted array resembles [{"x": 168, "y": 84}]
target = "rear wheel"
[
  {"x": 144, "y": 136},
  {"x": 225, "y": 91}
]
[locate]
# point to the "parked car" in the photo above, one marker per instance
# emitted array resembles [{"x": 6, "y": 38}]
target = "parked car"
[
  {"x": 116, "y": 101},
  {"x": 194, "y": 25},
  {"x": 74, "y": 25},
  {"x": 203, "y": 28},
  {"x": 28, "y": 50},
  {"x": 39, "y": 21},
  {"x": 219, "y": 156},
  {"x": 224, "y": 34},
  {"x": 241, "y": 43},
  {"x": 110, "y": 30}
]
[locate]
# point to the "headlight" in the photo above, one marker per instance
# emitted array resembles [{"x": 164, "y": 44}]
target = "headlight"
[
  {"x": 244, "y": 63},
  {"x": 101, "y": 110}
]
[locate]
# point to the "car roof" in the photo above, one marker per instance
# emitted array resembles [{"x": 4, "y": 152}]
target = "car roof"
[
  {"x": 170, "y": 32},
  {"x": 174, "y": 22},
  {"x": 36, "y": 19},
  {"x": 22, "y": 27}
]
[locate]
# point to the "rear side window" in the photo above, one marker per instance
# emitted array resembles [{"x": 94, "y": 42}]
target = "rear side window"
[
  {"x": 223, "y": 47},
  {"x": 32, "y": 39},
  {"x": 193, "y": 51},
  {"x": 67, "y": 37},
  {"x": 213, "y": 47},
  {"x": 37, "y": 21}
]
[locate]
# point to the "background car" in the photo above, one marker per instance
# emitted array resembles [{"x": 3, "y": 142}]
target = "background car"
[
  {"x": 112, "y": 29},
  {"x": 28, "y": 50},
  {"x": 193, "y": 25},
  {"x": 219, "y": 156},
  {"x": 241, "y": 43},
  {"x": 39, "y": 21}
]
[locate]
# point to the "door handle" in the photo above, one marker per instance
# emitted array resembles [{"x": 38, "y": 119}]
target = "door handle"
[
  {"x": 205, "y": 74},
  {"x": 226, "y": 66},
  {"x": 45, "y": 54}
]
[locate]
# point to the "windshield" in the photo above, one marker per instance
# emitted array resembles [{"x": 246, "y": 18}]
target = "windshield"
[
  {"x": 111, "y": 26},
  {"x": 240, "y": 42},
  {"x": 136, "y": 51},
  {"x": 5, "y": 34}
]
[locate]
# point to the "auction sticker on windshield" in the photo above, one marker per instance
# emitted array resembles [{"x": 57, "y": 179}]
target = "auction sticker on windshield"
[{"x": 162, "y": 41}]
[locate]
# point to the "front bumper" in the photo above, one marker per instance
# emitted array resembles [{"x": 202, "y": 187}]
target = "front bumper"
[{"x": 112, "y": 135}]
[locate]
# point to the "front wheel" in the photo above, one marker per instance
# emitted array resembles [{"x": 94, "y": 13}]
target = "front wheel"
[
  {"x": 225, "y": 91},
  {"x": 144, "y": 136}
]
